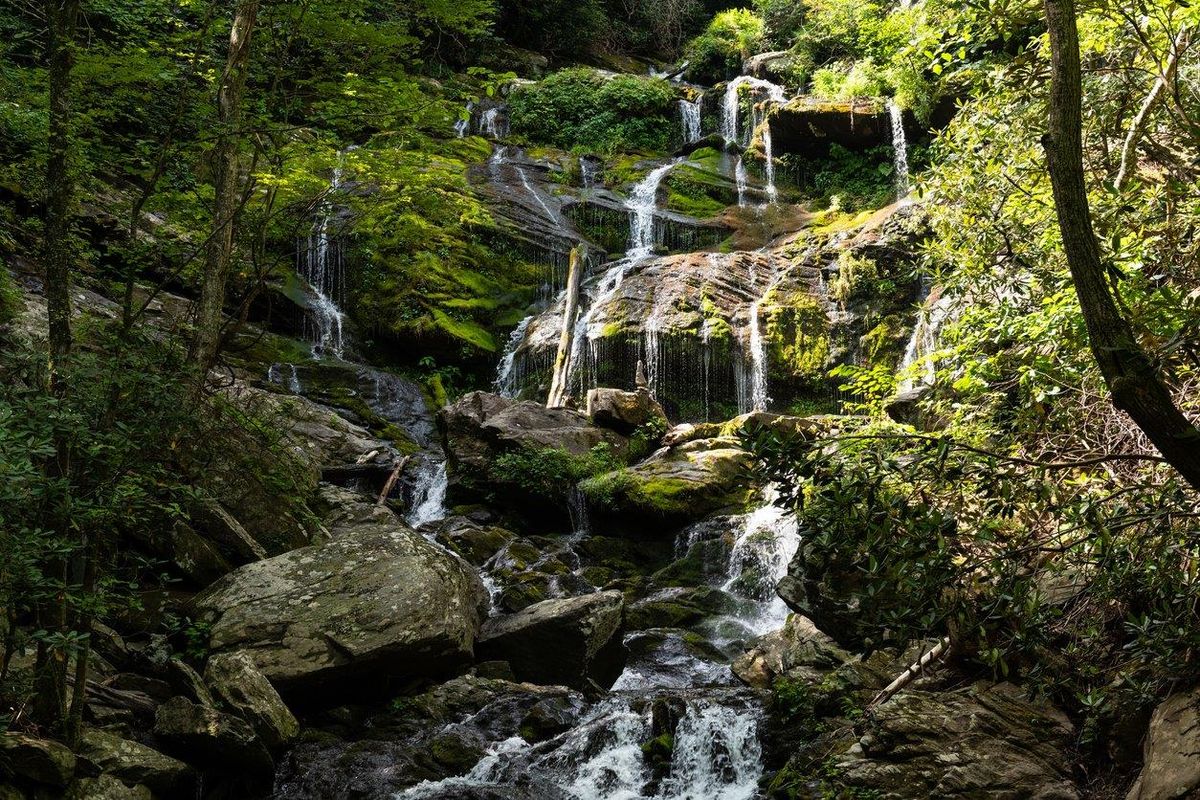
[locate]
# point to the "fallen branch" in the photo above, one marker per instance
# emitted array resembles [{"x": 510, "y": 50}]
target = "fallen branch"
[
  {"x": 936, "y": 653},
  {"x": 1129, "y": 150},
  {"x": 391, "y": 481}
]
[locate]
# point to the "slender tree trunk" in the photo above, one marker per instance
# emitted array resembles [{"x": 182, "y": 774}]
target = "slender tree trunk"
[
  {"x": 1129, "y": 149},
  {"x": 562, "y": 362},
  {"x": 1132, "y": 379},
  {"x": 226, "y": 174},
  {"x": 58, "y": 253}
]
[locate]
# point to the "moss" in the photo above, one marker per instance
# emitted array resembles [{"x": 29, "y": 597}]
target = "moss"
[
  {"x": 659, "y": 749},
  {"x": 798, "y": 336}
]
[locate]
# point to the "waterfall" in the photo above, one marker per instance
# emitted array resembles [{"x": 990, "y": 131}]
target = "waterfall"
[
  {"x": 743, "y": 181},
  {"x": 462, "y": 126},
  {"x": 506, "y": 383},
  {"x": 589, "y": 171},
  {"x": 766, "y": 542},
  {"x": 758, "y": 363},
  {"x": 321, "y": 265},
  {"x": 899, "y": 150},
  {"x": 923, "y": 342},
  {"x": 493, "y": 123},
  {"x": 581, "y": 526},
  {"x": 275, "y": 376},
  {"x": 769, "y": 155},
  {"x": 731, "y": 104},
  {"x": 642, "y": 203},
  {"x": 689, "y": 114},
  {"x": 429, "y": 495}
]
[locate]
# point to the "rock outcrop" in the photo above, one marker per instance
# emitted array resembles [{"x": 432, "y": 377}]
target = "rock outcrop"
[
  {"x": 377, "y": 600},
  {"x": 625, "y": 412},
  {"x": 1171, "y": 761},
  {"x": 238, "y": 685},
  {"x": 569, "y": 642},
  {"x": 136, "y": 763}
]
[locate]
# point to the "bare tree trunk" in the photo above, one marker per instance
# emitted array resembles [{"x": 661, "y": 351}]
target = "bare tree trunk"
[
  {"x": 1129, "y": 150},
  {"x": 1132, "y": 379},
  {"x": 226, "y": 175},
  {"x": 562, "y": 362}
]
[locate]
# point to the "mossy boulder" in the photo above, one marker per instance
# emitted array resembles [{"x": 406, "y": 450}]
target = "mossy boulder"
[
  {"x": 39, "y": 761},
  {"x": 134, "y": 762}
]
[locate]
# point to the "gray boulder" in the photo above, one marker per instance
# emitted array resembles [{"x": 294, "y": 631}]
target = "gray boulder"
[
  {"x": 35, "y": 760},
  {"x": 573, "y": 642},
  {"x": 985, "y": 741},
  {"x": 136, "y": 763},
  {"x": 624, "y": 412},
  {"x": 106, "y": 787},
  {"x": 212, "y": 739},
  {"x": 798, "y": 644},
  {"x": 241, "y": 688},
  {"x": 377, "y": 601},
  {"x": 1172, "y": 751}
]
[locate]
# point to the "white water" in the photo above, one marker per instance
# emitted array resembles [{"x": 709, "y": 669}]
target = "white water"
[
  {"x": 492, "y": 123},
  {"x": 899, "y": 150},
  {"x": 769, "y": 155},
  {"x": 320, "y": 264},
  {"x": 275, "y": 375},
  {"x": 462, "y": 126},
  {"x": 758, "y": 362},
  {"x": 642, "y": 203},
  {"x": 689, "y": 116},
  {"x": 589, "y": 172},
  {"x": 762, "y": 91},
  {"x": 743, "y": 181},
  {"x": 429, "y": 496},
  {"x": 766, "y": 543},
  {"x": 506, "y": 383},
  {"x": 918, "y": 367}
]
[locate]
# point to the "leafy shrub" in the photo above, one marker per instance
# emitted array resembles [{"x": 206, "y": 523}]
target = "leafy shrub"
[
  {"x": 550, "y": 472},
  {"x": 731, "y": 38},
  {"x": 582, "y": 108}
]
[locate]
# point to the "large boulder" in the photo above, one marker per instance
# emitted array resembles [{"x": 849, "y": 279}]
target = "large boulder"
[
  {"x": 984, "y": 741},
  {"x": 376, "y": 601},
  {"x": 213, "y": 740},
  {"x": 1172, "y": 751},
  {"x": 35, "y": 760},
  {"x": 677, "y": 484},
  {"x": 797, "y": 645},
  {"x": 624, "y": 412},
  {"x": 106, "y": 787},
  {"x": 574, "y": 641},
  {"x": 240, "y": 687},
  {"x": 136, "y": 763}
]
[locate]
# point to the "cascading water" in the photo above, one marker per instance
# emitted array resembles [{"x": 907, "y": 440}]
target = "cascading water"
[
  {"x": 758, "y": 362},
  {"x": 917, "y": 367},
  {"x": 506, "y": 382},
  {"x": 769, "y": 155},
  {"x": 429, "y": 494},
  {"x": 743, "y": 181},
  {"x": 320, "y": 263},
  {"x": 766, "y": 543},
  {"x": 762, "y": 92},
  {"x": 493, "y": 123},
  {"x": 899, "y": 150},
  {"x": 689, "y": 115},
  {"x": 462, "y": 126},
  {"x": 276, "y": 375}
]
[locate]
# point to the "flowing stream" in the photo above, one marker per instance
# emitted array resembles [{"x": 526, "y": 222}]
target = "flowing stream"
[
  {"x": 320, "y": 263},
  {"x": 899, "y": 150}
]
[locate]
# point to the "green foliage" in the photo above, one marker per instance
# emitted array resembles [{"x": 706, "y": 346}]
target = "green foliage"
[
  {"x": 584, "y": 108},
  {"x": 857, "y": 180},
  {"x": 551, "y": 473},
  {"x": 717, "y": 53}
]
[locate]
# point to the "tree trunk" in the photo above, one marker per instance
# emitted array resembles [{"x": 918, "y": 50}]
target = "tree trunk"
[
  {"x": 226, "y": 174},
  {"x": 1132, "y": 379},
  {"x": 562, "y": 362},
  {"x": 1129, "y": 149}
]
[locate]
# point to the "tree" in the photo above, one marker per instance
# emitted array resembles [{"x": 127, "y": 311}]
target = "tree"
[
  {"x": 1130, "y": 374},
  {"x": 226, "y": 166}
]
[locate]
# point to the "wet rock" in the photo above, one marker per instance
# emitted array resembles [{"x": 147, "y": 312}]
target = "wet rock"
[
  {"x": 778, "y": 65},
  {"x": 1172, "y": 751},
  {"x": 136, "y": 763},
  {"x": 240, "y": 687},
  {"x": 474, "y": 542},
  {"x": 797, "y": 644},
  {"x": 36, "y": 760},
  {"x": 550, "y": 717},
  {"x": 213, "y": 740},
  {"x": 376, "y": 602},
  {"x": 679, "y": 484},
  {"x": 985, "y": 741},
  {"x": 106, "y": 787},
  {"x": 681, "y": 607},
  {"x": 808, "y": 126},
  {"x": 570, "y": 642},
  {"x": 624, "y": 412},
  {"x": 458, "y": 748}
]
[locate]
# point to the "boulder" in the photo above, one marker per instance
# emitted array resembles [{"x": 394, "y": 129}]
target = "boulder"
[
  {"x": 106, "y": 787},
  {"x": 778, "y": 65},
  {"x": 212, "y": 739},
  {"x": 376, "y": 601},
  {"x": 988, "y": 740},
  {"x": 624, "y": 412},
  {"x": 1171, "y": 763},
  {"x": 572, "y": 642},
  {"x": 136, "y": 763},
  {"x": 241, "y": 688},
  {"x": 36, "y": 760},
  {"x": 797, "y": 644},
  {"x": 679, "y": 484}
]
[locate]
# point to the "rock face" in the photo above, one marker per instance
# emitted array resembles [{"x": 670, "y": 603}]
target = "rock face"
[
  {"x": 215, "y": 740},
  {"x": 797, "y": 645},
  {"x": 1172, "y": 751},
  {"x": 986, "y": 741},
  {"x": 35, "y": 760},
  {"x": 135, "y": 763},
  {"x": 624, "y": 412},
  {"x": 569, "y": 642},
  {"x": 376, "y": 600},
  {"x": 239, "y": 685},
  {"x": 677, "y": 484}
]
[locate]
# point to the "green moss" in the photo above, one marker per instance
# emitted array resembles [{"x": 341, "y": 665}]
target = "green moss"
[
  {"x": 659, "y": 749},
  {"x": 797, "y": 334}
]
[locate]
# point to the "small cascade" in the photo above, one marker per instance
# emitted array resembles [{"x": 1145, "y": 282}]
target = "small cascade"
[
  {"x": 507, "y": 383},
  {"x": 769, "y": 155},
  {"x": 689, "y": 115},
  {"x": 429, "y": 495},
  {"x": 767, "y": 541},
  {"x": 320, "y": 262},
  {"x": 918, "y": 355},
  {"x": 462, "y": 127},
  {"x": 642, "y": 205},
  {"x": 581, "y": 525},
  {"x": 285, "y": 375},
  {"x": 763, "y": 92},
  {"x": 899, "y": 151},
  {"x": 743, "y": 181},
  {"x": 758, "y": 362},
  {"x": 590, "y": 169},
  {"x": 493, "y": 123}
]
